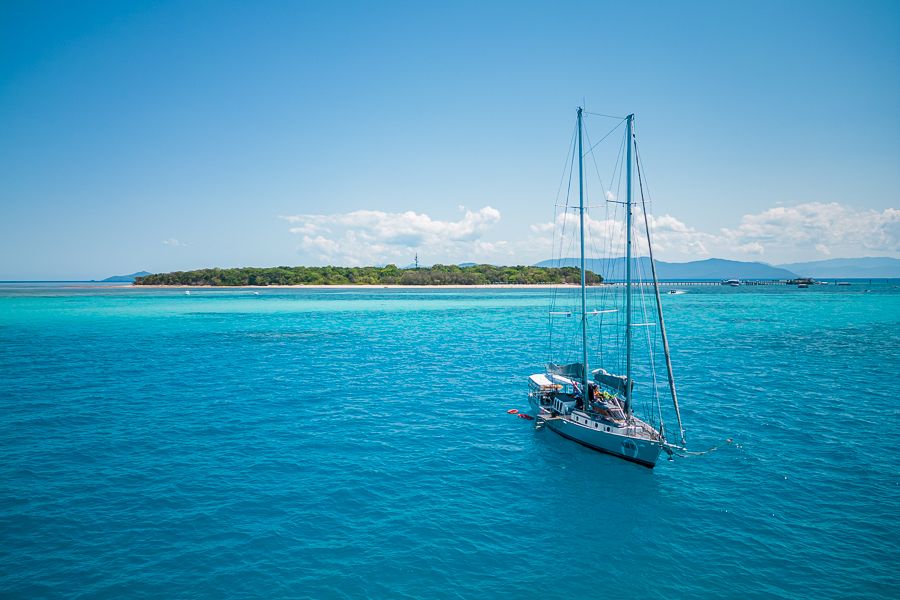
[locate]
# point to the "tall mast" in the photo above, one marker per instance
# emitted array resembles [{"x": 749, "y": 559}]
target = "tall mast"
[
  {"x": 584, "y": 344},
  {"x": 628, "y": 140}
]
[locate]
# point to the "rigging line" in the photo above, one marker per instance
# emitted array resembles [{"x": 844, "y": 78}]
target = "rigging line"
[
  {"x": 562, "y": 179},
  {"x": 606, "y": 325},
  {"x": 595, "y": 327},
  {"x": 587, "y": 112},
  {"x": 650, "y": 353},
  {"x": 570, "y": 161},
  {"x": 611, "y": 294},
  {"x": 662, "y": 325},
  {"x": 608, "y": 133},
  {"x": 620, "y": 164},
  {"x": 594, "y": 158},
  {"x": 619, "y": 167},
  {"x": 568, "y": 158},
  {"x": 568, "y": 196},
  {"x": 608, "y": 262},
  {"x": 565, "y": 221},
  {"x": 598, "y": 293},
  {"x": 617, "y": 172},
  {"x": 644, "y": 181},
  {"x": 599, "y": 179}
]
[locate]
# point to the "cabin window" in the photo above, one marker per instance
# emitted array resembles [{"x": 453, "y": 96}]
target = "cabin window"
[{"x": 607, "y": 428}]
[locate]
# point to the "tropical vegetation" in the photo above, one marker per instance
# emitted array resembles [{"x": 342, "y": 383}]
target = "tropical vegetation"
[{"x": 387, "y": 275}]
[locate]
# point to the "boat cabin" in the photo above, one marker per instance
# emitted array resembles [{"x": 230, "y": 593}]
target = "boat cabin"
[
  {"x": 562, "y": 395},
  {"x": 545, "y": 391}
]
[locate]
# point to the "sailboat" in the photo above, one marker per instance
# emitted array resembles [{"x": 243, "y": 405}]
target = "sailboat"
[{"x": 596, "y": 407}]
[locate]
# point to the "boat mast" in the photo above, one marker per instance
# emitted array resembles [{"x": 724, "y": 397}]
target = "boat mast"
[
  {"x": 628, "y": 137},
  {"x": 584, "y": 344}
]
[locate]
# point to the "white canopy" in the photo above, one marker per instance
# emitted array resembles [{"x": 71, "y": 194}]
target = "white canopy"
[{"x": 542, "y": 381}]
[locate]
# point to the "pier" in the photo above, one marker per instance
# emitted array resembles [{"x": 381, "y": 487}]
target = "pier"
[{"x": 705, "y": 283}]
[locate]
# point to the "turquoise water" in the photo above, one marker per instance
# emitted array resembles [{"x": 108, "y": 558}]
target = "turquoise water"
[{"x": 355, "y": 443}]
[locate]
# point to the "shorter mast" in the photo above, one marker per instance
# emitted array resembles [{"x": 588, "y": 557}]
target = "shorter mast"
[
  {"x": 628, "y": 136},
  {"x": 584, "y": 344}
]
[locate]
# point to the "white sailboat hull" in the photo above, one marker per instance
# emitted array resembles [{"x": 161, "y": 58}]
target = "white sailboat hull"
[{"x": 631, "y": 443}]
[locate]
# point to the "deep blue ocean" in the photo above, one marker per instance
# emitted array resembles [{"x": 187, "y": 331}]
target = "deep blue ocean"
[{"x": 355, "y": 444}]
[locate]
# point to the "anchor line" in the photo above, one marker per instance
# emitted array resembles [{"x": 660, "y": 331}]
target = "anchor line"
[{"x": 685, "y": 453}]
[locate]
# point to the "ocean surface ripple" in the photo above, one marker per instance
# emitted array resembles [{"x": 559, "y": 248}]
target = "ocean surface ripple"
[{"x": 355, "y": 444}]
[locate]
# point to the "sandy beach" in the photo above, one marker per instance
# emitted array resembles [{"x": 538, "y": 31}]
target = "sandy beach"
[{"x": 354, "y": 287}]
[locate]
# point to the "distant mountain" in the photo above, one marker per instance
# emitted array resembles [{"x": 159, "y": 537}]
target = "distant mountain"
[
  {"x": 711, "y": 268},
  {"x": 868, "y": 267},
  {"x": 126, "y": 278}
]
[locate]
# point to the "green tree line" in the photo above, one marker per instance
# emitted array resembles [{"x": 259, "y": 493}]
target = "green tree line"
[{"x": 387, "y": 275}]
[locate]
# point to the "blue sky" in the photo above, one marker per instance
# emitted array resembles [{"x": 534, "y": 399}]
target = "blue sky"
[{"x": 177, "y": 135}]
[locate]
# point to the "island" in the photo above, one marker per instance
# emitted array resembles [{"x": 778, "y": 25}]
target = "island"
[{"x": 386, "y": 275}]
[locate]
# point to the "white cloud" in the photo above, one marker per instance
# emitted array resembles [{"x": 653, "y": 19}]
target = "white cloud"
[
  {"x": 823, "y": 226},
  {"x": 751, "y": 248},
  {"x": 672, "y": 236},
  {"x": 543, "y": 227},
  {"x": 319, "y": 244},
  {"x": 173, "y": 242},
  {"x": 607, "y": 236},
  {"x": 366, "y": 237},
  {"x": 779, "y": 234}
]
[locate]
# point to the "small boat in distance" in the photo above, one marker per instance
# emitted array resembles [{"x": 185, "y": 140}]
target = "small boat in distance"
[
  {"x": 594, "y": 407},
  {"x": 732, "y": 282},
  {"x": 802, "y": 282}
]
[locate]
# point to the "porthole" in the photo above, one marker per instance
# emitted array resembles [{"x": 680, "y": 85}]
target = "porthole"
[{"x": 607, "y": 428}]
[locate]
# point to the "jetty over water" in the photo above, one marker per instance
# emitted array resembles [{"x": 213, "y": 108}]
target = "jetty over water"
[{"x": 696, "y": 283}]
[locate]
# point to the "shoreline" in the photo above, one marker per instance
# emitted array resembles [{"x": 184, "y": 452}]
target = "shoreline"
[{"x": 351, "y": 286}]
